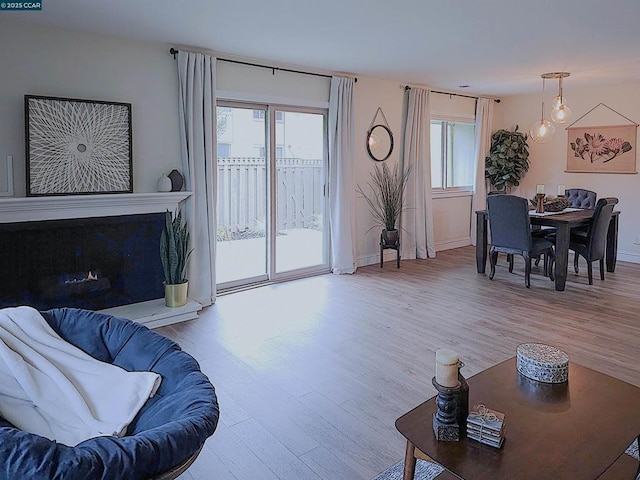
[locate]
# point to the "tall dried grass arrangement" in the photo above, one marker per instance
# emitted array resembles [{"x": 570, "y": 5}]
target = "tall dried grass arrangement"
[{"x": 386, "y": 200}]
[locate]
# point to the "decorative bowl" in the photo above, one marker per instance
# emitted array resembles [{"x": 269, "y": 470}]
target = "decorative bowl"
[{"x": 553, "y": 205}]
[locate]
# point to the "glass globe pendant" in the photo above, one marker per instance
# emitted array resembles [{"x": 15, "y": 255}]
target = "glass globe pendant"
[
  {"x": 560, "y": 112},
  {"x": 543, "y": 130}
]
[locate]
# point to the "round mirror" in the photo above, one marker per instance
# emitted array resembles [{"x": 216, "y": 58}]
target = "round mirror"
[{"x": 379, "y": 142}]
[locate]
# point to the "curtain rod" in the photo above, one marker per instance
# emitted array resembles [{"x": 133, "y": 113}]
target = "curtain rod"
[
  {"x": 497, "y": 100},
  {"x": 174, "y": 52}
]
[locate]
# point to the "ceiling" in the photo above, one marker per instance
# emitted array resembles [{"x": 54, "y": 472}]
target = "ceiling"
[{"x": 496, "y": 47}]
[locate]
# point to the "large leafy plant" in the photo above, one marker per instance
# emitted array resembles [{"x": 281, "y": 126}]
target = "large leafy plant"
[
  {"x": 174, "y": 249},
  {"x": 387, "y": 195},
  {"x": 508, "y": 159}
]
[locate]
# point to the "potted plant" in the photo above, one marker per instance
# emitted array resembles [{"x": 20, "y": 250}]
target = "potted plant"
[
  {"x": 174, "y": 254},
  {"x": 386, "y": 200},
  {"x": 508, "y": 159}
]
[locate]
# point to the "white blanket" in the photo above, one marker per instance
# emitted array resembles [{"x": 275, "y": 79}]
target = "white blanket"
[{"x": 51, "y": 388}]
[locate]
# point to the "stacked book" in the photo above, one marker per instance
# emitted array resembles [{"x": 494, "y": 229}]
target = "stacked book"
[{"x": 486, "y": 426}]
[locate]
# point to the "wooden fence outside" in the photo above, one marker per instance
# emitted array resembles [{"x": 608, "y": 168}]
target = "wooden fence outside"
[{"x": 241, "y": 196}]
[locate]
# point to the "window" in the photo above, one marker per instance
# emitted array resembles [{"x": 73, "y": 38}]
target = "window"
[
  {"x": 259, "y": 115},
  {"x": 452, "y": 154},
  {"x": 224, "y": 150},
  {"x": 279, "y": 151}
]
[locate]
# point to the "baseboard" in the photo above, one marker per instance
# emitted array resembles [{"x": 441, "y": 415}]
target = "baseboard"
[
  {"x": 390, "y": 255},
  {"x": 454, "y": 243},
  {"x": 364, "y": 260},
  {"x": 628, "y": 257}
]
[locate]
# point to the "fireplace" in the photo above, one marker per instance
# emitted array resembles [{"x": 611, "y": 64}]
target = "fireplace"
[{"x": 93, "y": 263}]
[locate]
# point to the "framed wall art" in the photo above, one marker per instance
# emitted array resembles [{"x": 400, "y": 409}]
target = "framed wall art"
[
  {"x": 77, "y": 146},
  {"x": 605, "y": 149}
]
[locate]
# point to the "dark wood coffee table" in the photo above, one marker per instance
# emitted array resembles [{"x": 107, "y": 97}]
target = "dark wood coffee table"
[{"x": 576, "y": 430}]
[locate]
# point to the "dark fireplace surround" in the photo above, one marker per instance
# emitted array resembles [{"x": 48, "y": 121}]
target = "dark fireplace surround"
[{"x": 93, "y": 263}]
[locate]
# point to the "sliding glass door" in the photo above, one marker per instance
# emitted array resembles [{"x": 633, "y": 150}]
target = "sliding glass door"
[
  {"x": 300, "y": 184},
  {"x": 242, "y": 208},
  {"x": 271, "y": 220}
]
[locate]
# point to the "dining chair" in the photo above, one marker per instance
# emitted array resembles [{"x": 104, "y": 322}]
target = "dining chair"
[
  {"x": 511, "y": 234},
  {"x": 581, "y": 198},
  {"x": 592, "y": 244}
]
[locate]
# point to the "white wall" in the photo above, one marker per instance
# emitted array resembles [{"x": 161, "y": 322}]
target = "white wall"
[
  {"x": 370, "y": 94},
  {"x": 48, "y": 61},
  {"x": 42, "y": 60},
  {"x": 548, "y": 161}
]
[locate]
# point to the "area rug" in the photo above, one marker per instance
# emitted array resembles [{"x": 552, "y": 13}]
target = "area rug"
[
  {"x": 424, "y": 471},
  {"x": 428, "y": 470},
  {"x": 633, "y": 450}
]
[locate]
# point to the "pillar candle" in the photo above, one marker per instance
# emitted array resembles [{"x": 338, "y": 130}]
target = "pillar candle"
[
  {"x": 539, "y": 188},
  {"x": 561, "y": 190},
  {"x": 447, "y": 367}
]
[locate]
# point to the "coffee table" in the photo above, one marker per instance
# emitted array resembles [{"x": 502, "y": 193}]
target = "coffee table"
[{"x": 575, "y": 430}]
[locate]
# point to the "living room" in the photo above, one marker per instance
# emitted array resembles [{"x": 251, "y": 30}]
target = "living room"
[{"x": 312, "y": 390}]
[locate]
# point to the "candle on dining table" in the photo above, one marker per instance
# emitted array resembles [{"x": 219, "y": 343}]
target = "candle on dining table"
[
  {"x": 561, "y": 190},
  {"x": 447, "y": 368},
  {"x": 539, "y": 188}
]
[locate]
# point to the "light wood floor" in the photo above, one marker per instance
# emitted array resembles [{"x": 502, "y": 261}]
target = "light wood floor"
[{"x": 312, "y": 374}]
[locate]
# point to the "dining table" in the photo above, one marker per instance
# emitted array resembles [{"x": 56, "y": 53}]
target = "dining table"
[{"x": 563, "y": 222}]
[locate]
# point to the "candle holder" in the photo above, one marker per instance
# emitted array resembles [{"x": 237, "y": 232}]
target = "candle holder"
[
  {"x": 445, "y": 421},
  {"x": 462, "y": 406},
  {"x": 540, "y": 202}
]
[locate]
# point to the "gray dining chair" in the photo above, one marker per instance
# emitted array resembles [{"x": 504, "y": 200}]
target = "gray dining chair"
[
  {"x": 511, "y": 234},
  {"x": 592, "y": 244}
]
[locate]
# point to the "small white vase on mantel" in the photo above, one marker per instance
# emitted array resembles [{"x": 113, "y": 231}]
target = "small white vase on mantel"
[{"x": 164, "y": 183}]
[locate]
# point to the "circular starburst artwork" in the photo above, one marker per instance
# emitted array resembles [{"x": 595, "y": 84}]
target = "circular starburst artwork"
[{"x": 77, "y": 146}]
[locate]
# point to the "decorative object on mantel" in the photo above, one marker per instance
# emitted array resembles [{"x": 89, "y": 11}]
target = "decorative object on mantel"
[
  {"x": 77, "y": 146},
  {"x": 602, "y": 149},
  {"x": 543, "y": 363},
  {"x": 174, "y": 253},
  {"x": 543, "y": 130},
  {"x": 379, "y": 138},
  {"x": 386, "y": 204},
  {"x": 164, "y": 184},
  {"x": 486, "y": 426},
  {"x": 8, "y": 192},
  {"x": 508, "y": 159},
  {"x": 177, "y": 180}
]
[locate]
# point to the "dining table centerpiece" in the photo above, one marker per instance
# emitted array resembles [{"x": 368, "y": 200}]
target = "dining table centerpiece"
[{"x": 556, "y": 204}]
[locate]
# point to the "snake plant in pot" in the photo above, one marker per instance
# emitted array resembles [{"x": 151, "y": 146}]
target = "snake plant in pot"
[{"x": 174, "y": 254}]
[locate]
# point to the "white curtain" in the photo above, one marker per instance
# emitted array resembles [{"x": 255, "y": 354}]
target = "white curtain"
[
  {"x": 196, "y": 74},
  {"x": 417, "y": 240},
  {"x": 341, "y": 183},
  {"x": 484, "y": 125}
]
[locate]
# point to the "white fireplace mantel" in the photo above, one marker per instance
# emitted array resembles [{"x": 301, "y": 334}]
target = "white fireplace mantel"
[
  {"x": 30, "y": 209},
  {"x": 152, "y": 313}
]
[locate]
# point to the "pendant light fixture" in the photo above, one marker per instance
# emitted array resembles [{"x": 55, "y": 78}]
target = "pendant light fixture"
[
  {"x": 561, "y": 112},
  {"x": 543, "y": 130}
]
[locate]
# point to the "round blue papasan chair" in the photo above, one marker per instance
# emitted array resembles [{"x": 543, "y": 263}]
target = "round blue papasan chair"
[{"x": 164, "y": 438}]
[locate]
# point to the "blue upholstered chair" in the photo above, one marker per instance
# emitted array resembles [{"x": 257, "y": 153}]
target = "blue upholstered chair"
[
  {"x": 592, "y": 244},
  {"x": 581, "y": 198},
  {"x": 511, "y": 234},
  {"x": 163, "y": 439}
]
